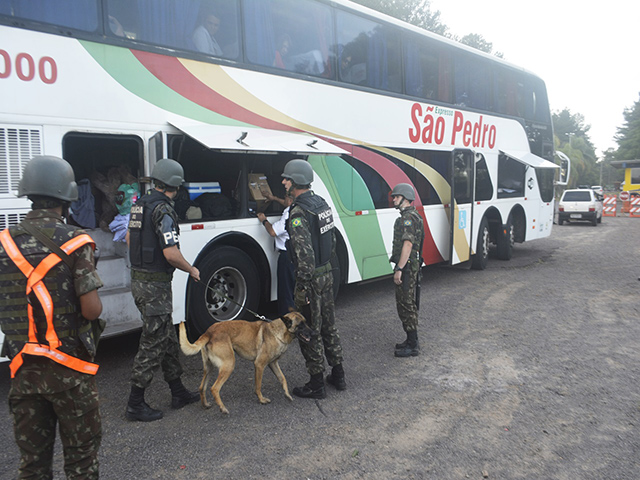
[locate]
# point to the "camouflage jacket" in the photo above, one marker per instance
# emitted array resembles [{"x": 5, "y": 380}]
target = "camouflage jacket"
[
  {"x": 64, "y": 285},
  {"x": 301, "y": 244},
  {"x": 408, "y": 226}
]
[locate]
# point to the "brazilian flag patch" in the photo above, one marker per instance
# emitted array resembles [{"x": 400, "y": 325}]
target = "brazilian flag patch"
[
  {"x": 296, "y": 222},
  {"x": 407, "y": 223}
]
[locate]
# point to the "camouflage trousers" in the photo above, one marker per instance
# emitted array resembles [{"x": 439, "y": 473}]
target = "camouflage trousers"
[
  {"x": 76, "y": 411},
  {"x": 325, "y": 339},
  {"x": 158, "y": 342},
  {"x": 406, "y": 301}
]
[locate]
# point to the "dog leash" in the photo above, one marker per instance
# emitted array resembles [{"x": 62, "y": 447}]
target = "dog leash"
[{"x": 219, "y": 291}]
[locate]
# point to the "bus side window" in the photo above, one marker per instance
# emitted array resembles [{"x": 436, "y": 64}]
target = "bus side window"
[
  {"x": 369, "y": 53},
  {"x": 484, "y": 186},
  {"x": 510, "y": 177},
  {"x": 421, "y": 62},
  {"x": 289, "y": 34},
  {"x": 68, "y": 13}
]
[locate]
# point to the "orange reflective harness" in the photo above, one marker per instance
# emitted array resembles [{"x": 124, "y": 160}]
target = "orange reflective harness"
[{"x": 35, "y": 275}]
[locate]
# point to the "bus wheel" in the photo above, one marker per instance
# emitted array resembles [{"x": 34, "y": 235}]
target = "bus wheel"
[
  {"x": 479, "y": 260},
  {"x": 228, "y": 287},
  {"x": 506, "y": 241}
]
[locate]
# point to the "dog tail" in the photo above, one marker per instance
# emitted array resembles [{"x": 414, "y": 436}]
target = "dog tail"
[{"x": 187, "y": 347}]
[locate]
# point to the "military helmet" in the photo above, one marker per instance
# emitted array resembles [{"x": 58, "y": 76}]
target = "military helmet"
[
  {"x": 48, "y": 176},
  {"x": 405, "y": 190},
  {"x": 298, "y": 171},
  {"x": 168, "y": 172}
]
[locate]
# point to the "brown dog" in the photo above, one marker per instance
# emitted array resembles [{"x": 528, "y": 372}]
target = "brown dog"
[{"x": 262, "y": 343}]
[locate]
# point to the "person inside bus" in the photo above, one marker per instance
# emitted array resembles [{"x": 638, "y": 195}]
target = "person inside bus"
[
  {"x": 284, "y": 45},
  {"x": 204, "y": 35},
  {"x": 285, "y": 271}
]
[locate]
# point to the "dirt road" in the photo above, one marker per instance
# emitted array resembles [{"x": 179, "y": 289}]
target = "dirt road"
[{"x": 528, "y": 370}]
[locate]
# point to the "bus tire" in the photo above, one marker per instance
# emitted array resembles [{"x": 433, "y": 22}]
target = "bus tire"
[
  {"x": 233, "y": 271},
  {"x": 480, "y": 259},
  {"x": 506, "y": 241}
]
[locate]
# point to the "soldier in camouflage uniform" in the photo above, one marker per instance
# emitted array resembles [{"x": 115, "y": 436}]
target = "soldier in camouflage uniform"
[
  {"x": 312, "y": 244},
  {"x": 154, "y": 252},
  {"x": 53, "y": 377},
  {"x": 408, "y": 235}
]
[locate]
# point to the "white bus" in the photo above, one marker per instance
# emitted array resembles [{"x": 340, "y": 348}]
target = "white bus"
[{"x": 114, "y": 85}]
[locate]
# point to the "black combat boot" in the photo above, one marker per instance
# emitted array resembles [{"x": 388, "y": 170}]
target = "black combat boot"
[
  {"x": 180, "y": 396},
  {"x": 412, "y": 348},
  {"x": 336, "y": 377},
  {"x": 314, "y": 388},
  {"x": 137, "y": 408},
  {"x": 403, "y": 345}
]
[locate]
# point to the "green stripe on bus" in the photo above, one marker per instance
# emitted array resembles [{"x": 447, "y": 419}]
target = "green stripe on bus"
[
  {"x": 363, "y": 233},
  {"x": 125, "y": 68}
]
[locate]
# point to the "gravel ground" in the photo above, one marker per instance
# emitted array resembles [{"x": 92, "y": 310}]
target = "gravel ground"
[{"x": 528, "y": 370}]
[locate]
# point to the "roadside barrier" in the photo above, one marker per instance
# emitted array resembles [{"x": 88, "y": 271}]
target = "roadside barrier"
[
  {"x": 634, "y": 207},
  {"x": 609, "y": 206}
]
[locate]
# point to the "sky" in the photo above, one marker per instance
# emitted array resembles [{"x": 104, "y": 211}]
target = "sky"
[{"x": 586, "y": 52}]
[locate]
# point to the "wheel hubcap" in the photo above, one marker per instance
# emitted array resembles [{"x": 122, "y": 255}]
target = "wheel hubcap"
[
  {"x": 485, "y": 242},
  {"x": 227, "y": 294}
]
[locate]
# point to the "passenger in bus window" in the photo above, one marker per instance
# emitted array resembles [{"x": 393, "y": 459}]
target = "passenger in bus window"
[
  {"x": 204, "y": 35},
  {"x": 285, "y": 271},
  {"x": 284, "y": 45}
]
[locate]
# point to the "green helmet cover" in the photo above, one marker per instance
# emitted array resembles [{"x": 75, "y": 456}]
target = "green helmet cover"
[
  {"x": 298, "y": 171},
  {"x": 168, "y": 172},
  {"x": 48, "y": 176},
  {"x": 405, "y": 190}
]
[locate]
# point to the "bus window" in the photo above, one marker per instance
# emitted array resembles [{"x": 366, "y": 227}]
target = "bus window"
[
  {"x": 422, "y": 62},
  {"x": 545, "y": 178},
  {"x": 510, "y": 177},
  {"x": 77, "y": 14},
  {"x": 484, "y": 187},
  {"x": 509, "y": 93},
  {"x": 463, "y": 176},
  {"x": 368, "y": 53},
  {"x": 289, "y": 34},
  {"x": 205, "y": 27},
  {"x": 540, "y": 105},
  {"x": 472, "y": 82}
]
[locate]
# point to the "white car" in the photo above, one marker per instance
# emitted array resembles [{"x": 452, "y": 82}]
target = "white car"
[
  {"x": 580, "y": 204},
  {"x": 598, "y": 189}
]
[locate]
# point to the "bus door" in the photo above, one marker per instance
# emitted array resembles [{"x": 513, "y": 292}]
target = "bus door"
[{"x": 462, "y": 183}]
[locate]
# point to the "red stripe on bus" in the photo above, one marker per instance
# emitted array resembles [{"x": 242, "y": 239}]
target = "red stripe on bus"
[{"x": 176, "y": 76}]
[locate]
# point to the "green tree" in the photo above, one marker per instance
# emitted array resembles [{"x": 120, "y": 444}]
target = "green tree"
[
  {"x": 419, "y": 13},
  {"x": 628, "y": 136},
  {"x": 477, "y": 41},
  {"x": 572, "y": 139},
  {"x": 609, "y": 174},
  {"x": 415, "y": 12}
]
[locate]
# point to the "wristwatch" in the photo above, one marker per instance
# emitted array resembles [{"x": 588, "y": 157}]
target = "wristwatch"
[
  {"x": 264, "y": 221},
  {"x": 397, "y": 268}
]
